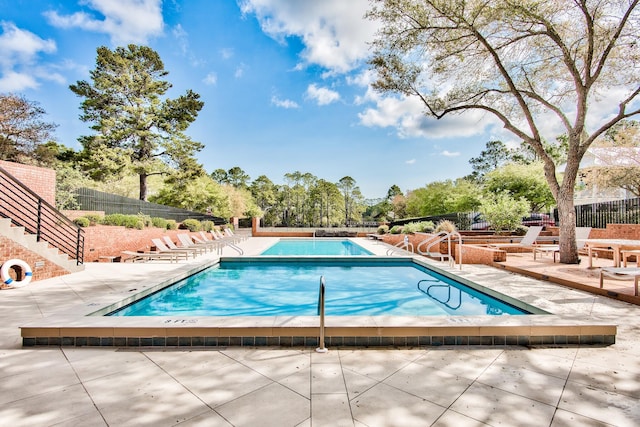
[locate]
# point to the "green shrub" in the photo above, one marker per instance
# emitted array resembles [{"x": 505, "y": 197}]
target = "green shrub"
[
  {"x": 410, "y": 228},
  {"x": 128, "y": 221},
  {"x": 504, "y": 212},
  {"x": 172, "y": 224},
  {"x": 207, "y": 225},
  {"x": 94, "y": 219},
  {"x": 396, "y": 229},
  {"x": 159, "y": 222},
  {"x": 383, "y": 229},
  {"x": 146, "y": 219},
  {"x": 114, "y": 219},
  {"x": 192, "y": 224},
  {"x": 133, "y": 221},
  {"x": 82, "y": 222},
  {"x": 427, "y": 226}
]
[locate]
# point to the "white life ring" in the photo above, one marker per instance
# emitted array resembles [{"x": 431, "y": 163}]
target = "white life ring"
[{"x": 6, "y": 278}]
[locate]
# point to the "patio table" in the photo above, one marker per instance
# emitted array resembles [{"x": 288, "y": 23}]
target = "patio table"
[{"x": 616, "y": 245}]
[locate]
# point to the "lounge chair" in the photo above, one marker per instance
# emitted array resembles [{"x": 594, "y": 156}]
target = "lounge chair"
[
  {"x": 582, "y": 233},
  {"x": 209, "y": 244},
  {"x": 183, "y": 247},
  {"x": 226, "y": 241},
  {"x": 218, "y": 243},
  {"x": 162, "y": 247},
  {"x": 621, "y": 273},
  {"x": 218, "y": 235},
  {"x": 527, "y": 241},
  {"x": 187, "y": 242},
  {"x": 149, "y": 256},
  {"x": 230, "y": 233}
]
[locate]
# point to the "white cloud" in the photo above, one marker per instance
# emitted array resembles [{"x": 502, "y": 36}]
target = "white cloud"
[
  {"x": 13, "y": 82},
  {"x": 283, "y": 103},
  {"x": 226, "y": 53},
  {"x": 410, "y": 162},
  {"x": 20, "y": 50},
  {"x": 125, "y": 21},
  {"x": 447, "y": 153},
  {"x": 240, "y": 70},
  {"x": 182, "y": 37},
  {"x": 322, "y": 95},
  {"x": 406, "y": 115},
  {"x": 211, "y": 79},
  {"x": 334, "y": 32}
]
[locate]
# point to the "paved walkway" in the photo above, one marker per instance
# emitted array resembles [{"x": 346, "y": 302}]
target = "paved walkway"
[{"x": 297, "y": 387}]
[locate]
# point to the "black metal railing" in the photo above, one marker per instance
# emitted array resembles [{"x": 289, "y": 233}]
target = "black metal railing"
[
  {"x": 598, "y": 215},
  {"x": 93, "y": 200},
  {"x": 26, "y": 209}
]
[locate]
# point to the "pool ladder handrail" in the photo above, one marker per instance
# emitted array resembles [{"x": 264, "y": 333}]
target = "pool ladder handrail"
[
  {"x": 446, "y": 303},
  {"x": 436, "y": 240},
  {"x": 403, "y": 245},
  {"x": 321, "y": 348}
]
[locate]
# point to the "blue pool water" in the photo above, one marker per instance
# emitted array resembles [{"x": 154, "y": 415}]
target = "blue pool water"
[
  {"x": 274, "y": 288},
  {"x": 316, "y": 247}
]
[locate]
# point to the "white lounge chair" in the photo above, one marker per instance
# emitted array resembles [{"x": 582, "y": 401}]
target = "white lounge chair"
[
  {"x": 150, "y": 256},
  {"x": 187, "y": 242},
  {"x": 527, "y": 241},
  {"x": 226, "y": 241},
  {"x": 162, "y": 247},
  {"x": 582, "y": 233},
  {"x": 209, "y": 244},
  {"x": 621, "y": 273}
]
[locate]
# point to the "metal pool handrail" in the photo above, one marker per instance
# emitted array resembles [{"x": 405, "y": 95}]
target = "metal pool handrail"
[{"x": 321, "y": 348}]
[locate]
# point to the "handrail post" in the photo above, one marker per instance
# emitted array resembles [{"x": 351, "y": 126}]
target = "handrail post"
[
  {"x": 321, "y": 348},
  {"x": 39, "y": 220}
]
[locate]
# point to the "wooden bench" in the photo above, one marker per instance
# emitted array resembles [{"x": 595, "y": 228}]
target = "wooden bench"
[
  {"x": 621, "y": 273},
  {"x": 625, "y": 254}
]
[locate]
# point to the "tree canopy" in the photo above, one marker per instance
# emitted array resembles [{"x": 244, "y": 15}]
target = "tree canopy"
[
  {"x": 135, "y": 125},
  {"x": 529, "y": 64},
  {"x": 22, "y": 128}
]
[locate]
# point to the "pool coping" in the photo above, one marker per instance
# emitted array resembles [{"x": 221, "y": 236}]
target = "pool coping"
[{"x": 78, "y": 328}]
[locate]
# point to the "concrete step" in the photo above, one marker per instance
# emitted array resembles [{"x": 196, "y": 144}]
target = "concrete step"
[{"x": 42, "y": 248}]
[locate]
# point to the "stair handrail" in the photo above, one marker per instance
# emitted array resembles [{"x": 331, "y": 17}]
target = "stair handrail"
[
  {"x": 439, "y": 238},
  {"x": 403, "y": 245},
  {"x": 432, "y": 240},
  {"x": 39, "y": 217}
]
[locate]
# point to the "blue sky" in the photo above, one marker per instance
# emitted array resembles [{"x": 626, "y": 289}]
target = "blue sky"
[{"x": 285, "y": 85}]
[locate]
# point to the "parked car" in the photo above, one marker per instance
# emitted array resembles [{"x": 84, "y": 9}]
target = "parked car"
[
  {"x": 538, "y": 219},
  {"x": 479, "y": 223},
  {"x": 535, "y": 219}
]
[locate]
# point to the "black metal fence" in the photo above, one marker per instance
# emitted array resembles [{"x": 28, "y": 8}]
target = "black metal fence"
[
  {"x": 595, "y": 215},
  {"x": 598, "y": 215},
  {"x": 92, "y": 200}
]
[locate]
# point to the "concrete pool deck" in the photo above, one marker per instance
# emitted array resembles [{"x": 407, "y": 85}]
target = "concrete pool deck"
[{"x": 234, "y": 386}]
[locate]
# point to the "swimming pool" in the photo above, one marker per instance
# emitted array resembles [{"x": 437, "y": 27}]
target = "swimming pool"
[
  {"x": 333, "y": 247},
  {"x": 289, "y": 287}
]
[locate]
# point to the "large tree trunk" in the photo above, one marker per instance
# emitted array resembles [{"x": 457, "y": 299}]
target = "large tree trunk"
[
  {"x": 567, "y": 218},
  {"x": 143, "y": 187}
]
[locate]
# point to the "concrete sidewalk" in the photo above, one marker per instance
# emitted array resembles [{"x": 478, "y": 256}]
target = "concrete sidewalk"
[{"x": 468, "y": 386}]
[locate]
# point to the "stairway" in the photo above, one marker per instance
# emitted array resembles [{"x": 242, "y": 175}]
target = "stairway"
[{"x": 41, "y": 248}]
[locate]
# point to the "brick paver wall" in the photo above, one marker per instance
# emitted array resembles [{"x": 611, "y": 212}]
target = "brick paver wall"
[
  {"x": 105, "y": 240},
  {"x": 40, "y": 267},
  {"x": 41, "y": 181}
]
